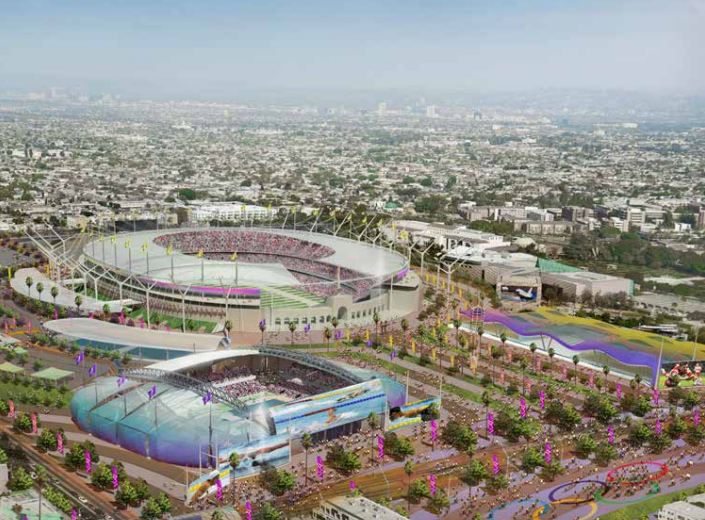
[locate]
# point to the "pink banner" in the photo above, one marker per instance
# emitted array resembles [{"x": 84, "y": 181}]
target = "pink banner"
[
  {"x": 495, "y": 465},
  {"x": 33, "y": 417},
  {"x": 87, "y": 458},
  {"x": 522, "y": 408},
  {"x": 618, "y": 390},
  {"x": 59, "y": 443}
]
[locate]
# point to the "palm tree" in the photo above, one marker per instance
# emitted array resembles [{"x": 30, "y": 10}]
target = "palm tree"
[
  {"x": 373, "y": 423},
  {"x": 292, "y": 329},
  {"x": 29, "y": 282},
  {"x": 551, "y": 353},
  {"x": 503, "y": 338},
  {"x": 409, "y": 470},
  {"x": 523, "y": 364},
  {"x": 78, "y": 300},
  {"x": 327, "y": 334},
  {"x": 486, "y": 400},
  {"x": 40, "y": 289},
  {"x": 480, "y": 332},
  {"x": 637, "y": 383},
  {"x": 306, "y": 444},
  {"x": 54, "y": 292},
  {"x": 606, "y": 371},
  {"x": 40, "y": 480},
  {"x": 375, "y": 318},
  {"x": 106, "y": 309},
  {"x": 456, "y": 326},
  {"x": 495, "y": 353},
  {"x": 576, "y": 360},
  {"x": 404, "y": 328},
  {"x": 262, "y": 328},
  {"x": 532, "y": 348}
]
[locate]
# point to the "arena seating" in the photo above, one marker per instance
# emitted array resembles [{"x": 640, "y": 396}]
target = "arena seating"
[{"x": 302, "y": 258}]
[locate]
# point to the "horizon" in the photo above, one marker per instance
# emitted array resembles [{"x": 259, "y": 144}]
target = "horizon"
[{"x": 180, "y": 50}]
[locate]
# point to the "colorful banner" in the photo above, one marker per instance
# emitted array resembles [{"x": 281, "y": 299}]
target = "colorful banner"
[
  {"x": 412, "y": 413},
  {"x": 330, "y": 409}
]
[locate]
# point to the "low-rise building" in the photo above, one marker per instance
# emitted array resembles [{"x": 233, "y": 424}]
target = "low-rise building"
[{"x": 692, "y": 508}]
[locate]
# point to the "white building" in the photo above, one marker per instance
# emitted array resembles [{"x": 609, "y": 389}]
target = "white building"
[
  {"x": 229, "y": 211},
  {"x": 692, "y": 508},
  {"x": 447, "y": 237},
  {"x": 353, "y": 508}
]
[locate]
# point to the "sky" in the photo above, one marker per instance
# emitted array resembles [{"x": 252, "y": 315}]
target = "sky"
[{"x": 179, "y": 48}]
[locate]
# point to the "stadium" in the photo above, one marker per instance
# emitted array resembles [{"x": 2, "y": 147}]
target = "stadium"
[
  {"x": 245, "y": 275},
  {"x": 198, "y": 409}
]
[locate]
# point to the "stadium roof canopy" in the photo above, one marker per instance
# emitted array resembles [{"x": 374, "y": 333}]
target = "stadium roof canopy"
[{"x": 361, "y": 257}]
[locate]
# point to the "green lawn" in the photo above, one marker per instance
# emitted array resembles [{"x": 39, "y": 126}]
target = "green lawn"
[
  {"x": 174, "y": 322},
  {"x": 651, "y": 505}
]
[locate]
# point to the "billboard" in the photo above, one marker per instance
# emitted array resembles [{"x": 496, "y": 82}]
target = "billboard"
[
  {"x": 271, "y": 451},
  {"x": 682, "y": 373},
  {"x": 412, "y": 413},
  {"x": 330, "y": 409}
]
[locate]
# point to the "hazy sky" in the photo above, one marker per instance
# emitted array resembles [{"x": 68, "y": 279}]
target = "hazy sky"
[{"x": 181, "y": 47}]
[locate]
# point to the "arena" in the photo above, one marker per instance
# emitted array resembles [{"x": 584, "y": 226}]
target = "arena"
[
  {"x": 198, "y": 409},
  {"x": 246, "y": 275}
]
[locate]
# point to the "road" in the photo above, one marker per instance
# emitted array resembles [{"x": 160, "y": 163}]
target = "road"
[{"x": 97, "y": 504}]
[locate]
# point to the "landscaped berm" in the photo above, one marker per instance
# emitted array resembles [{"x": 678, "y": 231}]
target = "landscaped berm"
[{"x": 624, "y": 350}]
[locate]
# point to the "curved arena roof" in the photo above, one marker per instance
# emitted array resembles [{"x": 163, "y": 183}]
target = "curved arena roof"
[
  {"x": 174, "y": 426},
  {"x": 129, "y": 253}
]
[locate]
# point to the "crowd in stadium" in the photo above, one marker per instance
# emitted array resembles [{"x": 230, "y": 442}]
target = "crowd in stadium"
[
  {"x": 229, "y": 241},
  {"x": 256, "y": 247},
  {"x": 294, "y": 382}
]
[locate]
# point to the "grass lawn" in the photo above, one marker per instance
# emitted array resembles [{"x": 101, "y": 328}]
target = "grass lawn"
[
  {"x": 651, "y": 505},
  {"x": 173, "y": 321}
]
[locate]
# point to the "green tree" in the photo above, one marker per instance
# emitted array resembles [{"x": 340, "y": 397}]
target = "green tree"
[
  {"x": 306, "y": 444},
  {"x": 268, "y": 512},
  {"x": 576, "y": 361},
  {"x": 292, "y": 330},
  {"x": 19, "y": 479},
  {"x": 29, "y": 282},
  {"x": 460, "y": 436},
  {"x": 408, "y": 470},
  {"x": 585, "y": 445},
  {"x": 474, "y": 473},
  {"x": 54, "y": 291},
  {"x": 126, "y": 495},
  {"x": 417, "y": 490},
  {"x": 531, "y": 459},
  {"x": 151, "y": 510},
  {"x": 605, "y": 453}
]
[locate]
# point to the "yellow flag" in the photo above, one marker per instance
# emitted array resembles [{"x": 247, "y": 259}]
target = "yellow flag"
[
  {"x": 347, "y": 334},
  {"x": 452, "y": 360},
  {"x": 200, "y": 253},
  {"x": 101, "y": 238},
  {"x": 314, "y": 212},
  {"x": 113, "y": 239},
  {"x": 433, "y": 354},
  {"x": 364, "y": 220},
  {"x": 367, "y": 334},
  {"x": 413, "y": 347},
  {"x": 144, "y": 247},
  {"x": 169, "y": 249},
  {"x": 233, "y": 257},
  {"x": 127, "y": 244},
  {"x": 391, "y": 341}
]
